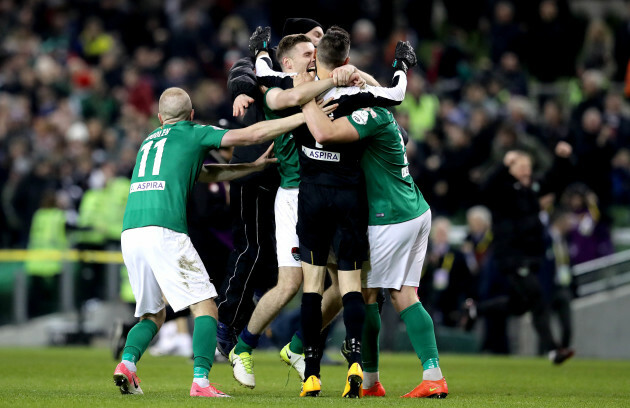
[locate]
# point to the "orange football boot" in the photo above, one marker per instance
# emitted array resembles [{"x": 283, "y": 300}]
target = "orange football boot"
[
  {"x": 429, "y": 389},
  {"x": 376, "y": 390}
]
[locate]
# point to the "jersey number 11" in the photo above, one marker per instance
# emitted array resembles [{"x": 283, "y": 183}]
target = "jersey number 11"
[{"x": 157, "y": 161}]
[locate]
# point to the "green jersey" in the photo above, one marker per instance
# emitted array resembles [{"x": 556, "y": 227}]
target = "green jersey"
[
  {"x": 285, "y": 151},
  {"x": 392, "y": 194},
  {"x": 167, "y": 167}
]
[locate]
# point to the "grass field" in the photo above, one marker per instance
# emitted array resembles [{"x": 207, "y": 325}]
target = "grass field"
[{"x": 82, "y": 377}]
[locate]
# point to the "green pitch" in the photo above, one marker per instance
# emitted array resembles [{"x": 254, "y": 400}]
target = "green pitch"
[{"x": 82, "y": 377}]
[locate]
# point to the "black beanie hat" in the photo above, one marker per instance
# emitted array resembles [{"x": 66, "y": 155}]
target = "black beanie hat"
[{"x": 299, "y": 26}]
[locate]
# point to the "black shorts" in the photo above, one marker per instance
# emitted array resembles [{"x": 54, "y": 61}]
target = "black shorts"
[{"x": 332, "y": 216}]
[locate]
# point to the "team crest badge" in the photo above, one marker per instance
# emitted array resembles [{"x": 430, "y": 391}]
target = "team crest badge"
[
  {"x": 360, "y": 116},
  {"x": 295, "y": 252}
]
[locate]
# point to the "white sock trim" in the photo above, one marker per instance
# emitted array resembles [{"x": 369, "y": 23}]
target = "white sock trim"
[
  {"x": 202, "y": 382},
  {"x": 369, "y": 379},
  {"x": 432, "y": 374},
  {"x": 131, "y": 366}
]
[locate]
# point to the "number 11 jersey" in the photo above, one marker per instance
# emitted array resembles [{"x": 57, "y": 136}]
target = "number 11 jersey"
[{"x": 167, "y": 167}]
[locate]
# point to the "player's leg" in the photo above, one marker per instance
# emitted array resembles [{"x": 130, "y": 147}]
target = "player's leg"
[
  {"x": 422, "y": 336},
  {"x": 412, "y": 238},
  {"x": 331, "y": 300},
  {"x": 353, "y": 318},
  {"x": 370, "y": 344},
  {"x": 204, "y": 343},
  {"x": 185, "y": 283},
  {"x": 310, "y": 324},
  {"x": 351, "y": 247},
  {"x": 268, "y": 307},
  {"x": 293, "y": 352},
  {"x": 149, "y": 307},
  {"x": 315, "y": 229},
  {"x": 252, "y": 255}
]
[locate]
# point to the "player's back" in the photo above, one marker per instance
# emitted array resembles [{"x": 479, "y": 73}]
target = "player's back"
[
  {"x": 392, "y": 193},
  {"x": 167, "y": 166}
]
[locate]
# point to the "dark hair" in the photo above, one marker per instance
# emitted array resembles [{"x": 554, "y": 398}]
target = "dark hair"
[
  {"x": 334, "y": 47},
  {"x": 288, "y": 42}
]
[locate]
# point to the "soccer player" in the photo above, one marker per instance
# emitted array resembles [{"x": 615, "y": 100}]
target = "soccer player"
[
  {"x": 252, "y": 263},
  {"x": 399, "y": 225},
  {"x": 156, "y": 248},
  {"x": 296, "y": 54}
]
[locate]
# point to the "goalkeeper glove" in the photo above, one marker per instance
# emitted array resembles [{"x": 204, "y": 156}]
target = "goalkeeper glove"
[
  {"x": 404, "y": 57},
  {"x": 259, "y": 41}
]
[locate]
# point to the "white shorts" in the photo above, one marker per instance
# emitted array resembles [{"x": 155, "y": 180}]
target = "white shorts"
[
  {"x": 287, "y": 242},
  {"x": 397, "y": 253},
  {"x": 162, "y": 261}
]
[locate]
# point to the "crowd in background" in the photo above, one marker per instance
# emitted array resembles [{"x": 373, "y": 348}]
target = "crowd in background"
[{"x": 79, "y": 82}]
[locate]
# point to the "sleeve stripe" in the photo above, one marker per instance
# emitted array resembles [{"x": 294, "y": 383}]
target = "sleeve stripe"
[
  {"x": 263, "y": 69},
  {"x": 396, "y": 93}
]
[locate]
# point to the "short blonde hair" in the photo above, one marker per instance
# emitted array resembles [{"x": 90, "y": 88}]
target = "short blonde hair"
[{"x": 175, "y": 104}]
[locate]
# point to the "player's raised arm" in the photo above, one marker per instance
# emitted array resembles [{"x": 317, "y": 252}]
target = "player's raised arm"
[
  {"x": 353, "y": 98},
  {"x": 261, "y": 131},
  {"x": 326, "y": 131}
]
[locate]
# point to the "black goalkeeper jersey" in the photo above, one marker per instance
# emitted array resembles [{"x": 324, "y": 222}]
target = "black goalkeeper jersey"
[{"x": 334, "y": 164}]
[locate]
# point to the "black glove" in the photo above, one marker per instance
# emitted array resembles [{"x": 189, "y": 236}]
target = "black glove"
[
  {"x": 259, "y": 41},
  {"x": 404, "y": 57}
]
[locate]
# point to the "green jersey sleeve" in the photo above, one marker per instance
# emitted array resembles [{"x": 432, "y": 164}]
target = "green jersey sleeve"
[
  {"x": 209, "y": 136},
  {"x": 369, "y": 121}
]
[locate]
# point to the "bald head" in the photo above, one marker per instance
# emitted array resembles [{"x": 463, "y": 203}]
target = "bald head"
[{"x": 175, "y": 105}]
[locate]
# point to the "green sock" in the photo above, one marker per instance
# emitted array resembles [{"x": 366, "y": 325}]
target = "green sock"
[
  {"x": 369, "y": 343},
  {"x": 296, "y": 345},
  {"x": 204, "y": 344},
  {"x": 138, "y": 340},
  {"x": 420, "y": 330},
  {"x": 242, "y": 347}
]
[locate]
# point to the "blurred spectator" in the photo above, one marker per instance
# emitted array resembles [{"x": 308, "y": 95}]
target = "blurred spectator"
[
  {"x": 477, "y": 247},
  {"x": 506, "y": 139},
  {"x": 593, "y": 94},
  {"x": 420, "y": 106},
  {"x": 594, "y": 149},
  {"x": 94, "y": 40},
  {"x": 475, "y": 96},
  {"x": 27, "y": 196},
  {"x": 597, "y": 51},
  {"x": 617, "y": 120},
  {"x": 622, "y": 47},
  {"x": 140, "y": 95},
  {"x": 511, "y": 74},
  {"x": 47, "y": 233},
  {"x": 555, "y": 274},
  {"x": 621, "y": 177},
  {"x": 518, "y": 250},
  {"x": 365, "y": 52},
  {"x": 446, "y": 281},
  {"x": 552, "y": 43},
  {"x": 589, "y": 236},
  {"x": 506, "y": 35},
  {"x": 553, "y": 127}
]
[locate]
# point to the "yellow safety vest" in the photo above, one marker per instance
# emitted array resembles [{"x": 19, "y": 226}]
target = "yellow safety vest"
[{"x": 48, "y": 232}]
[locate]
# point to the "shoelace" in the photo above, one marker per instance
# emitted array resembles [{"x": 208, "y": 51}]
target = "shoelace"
[
  {"x": 212, "y": 386},
  {"x": 248, "y": 363},
  {"x": 292, "y": 365}
]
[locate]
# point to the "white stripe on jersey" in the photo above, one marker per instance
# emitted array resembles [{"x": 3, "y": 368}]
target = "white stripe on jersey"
[
  {"x": 263, "y": 69},
  {"x": 396, "y": 93}
]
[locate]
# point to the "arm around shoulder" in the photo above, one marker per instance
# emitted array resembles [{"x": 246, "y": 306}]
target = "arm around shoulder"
[{"x": 261, "y": 131}]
